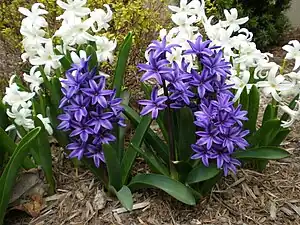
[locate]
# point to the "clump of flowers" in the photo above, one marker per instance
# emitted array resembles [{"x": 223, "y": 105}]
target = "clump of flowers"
[
  {"x": 201, "y": 87},
  {"x": 90, "y": 112},
  {"x": 250, "y": 66},
  {"x": 45, "y": 52}
]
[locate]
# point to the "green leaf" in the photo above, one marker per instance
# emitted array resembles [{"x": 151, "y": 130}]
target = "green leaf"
[
  {"x": 100, "y": 173},
  {"x": 65, "y": 62},
  {"x": 279, "y": 138},
  {"x": 253, "y": 109},
  {"x": 9, "y": 175},
  {"x": 170, "y": 186},
  {"x": 270, "y": 153},
  {"x": 206, "y": 186},
  {"x": 183, "y": 169},
  {"x": 202, "y": 173},
  {"x": 130, "y": 153},
  {"x": 125, "y": 197},
  {"x": 52, "y": 112},
  {"x": 266, "y": 133},
  {"x": 156, "y": 164},
  {"x": 113, "y": 166},
  {"x": 4, "y": 121},
  {"x": 120, "y": 131},
  {"x": 55, "y": 92},
  {"x": 8, "y": 145},
  {"x": 157, "y": 144},
  {"x": 269, "y": 113},
  {"x": 90, "y": 51},
  {"x": 187, "y": 136},
  {"x": 43, "y": 148},
  {"x": 244, "y": 99},
  {"x": 121, "y": 64},
  {"x": 45, "y": 79}
]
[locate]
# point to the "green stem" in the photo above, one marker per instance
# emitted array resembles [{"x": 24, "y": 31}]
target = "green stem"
[
  {"x": 170, "y": 130},
  {"x": 282, "y": 67}
]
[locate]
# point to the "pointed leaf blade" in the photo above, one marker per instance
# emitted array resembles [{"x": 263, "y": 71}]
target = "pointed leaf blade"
[
  {"x": 253, "y": 109},
  {"x": 113, "y": 166},
  {"x": 130, "y": 153},
  {"x": 121, "y": 63},
  {"x": 170, "y": 186},
  {"x": 270, "y": 153},
  {"x": 202, "y": 173},
  {"x": 9, "y": 175},
  {"x": 125, "y": 197},
  {"x": 44, "y": 151}
]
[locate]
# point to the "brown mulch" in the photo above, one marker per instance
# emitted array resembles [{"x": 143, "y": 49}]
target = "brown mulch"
[{"x": 271, "y": 198}]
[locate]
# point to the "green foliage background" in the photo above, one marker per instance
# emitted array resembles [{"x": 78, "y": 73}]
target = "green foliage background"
[
  {"x": 267, "y": 20},
  {"x": 142, "y": 17}
]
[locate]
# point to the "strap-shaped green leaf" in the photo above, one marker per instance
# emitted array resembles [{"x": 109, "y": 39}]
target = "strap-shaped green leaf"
[
  {"x": 202, "y": 173},
  {"x": 157, "y": 144},
  {"x": 125, "y": 197},
  {"x": 183, "y": 168},
  {"x": 279, "y": 138},
  {"x": 45, "y": 79},
  {"x": 55, "y": 92},
  {"x": 269, "y": 113},
  {"x": 9, "y": 175},
  {"x": 187, "y": 136},
  {"x": 155, "y": 163},
  {"x": 269, "y": 152},
  {"x": 65, "y": 61},
  {"x": 130, "y": 154},
  {"x": 91, "y": 52},
  {"x": 266, "y": 133},
  {"x": 244, "y": 99},
  {"x": 42, "y": 146},
  {"x": 100, "y": 173},
  {"x": 207, "y": 185},
  {"x": 253, "y": 109},
  {"x": 121, "y": 64},
  {"x": 120, "y": 131},
  {"x": 168, "y": 185},
  {"x": 8, "y": 145},
  {"x": 4, "y": 121},
  {"x": 113, "y": 167}
]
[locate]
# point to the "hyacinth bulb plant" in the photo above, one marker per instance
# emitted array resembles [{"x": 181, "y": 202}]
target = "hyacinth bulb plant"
[
  {"x": 65, "y": 93},
  {"x": 205, "y": 133}
]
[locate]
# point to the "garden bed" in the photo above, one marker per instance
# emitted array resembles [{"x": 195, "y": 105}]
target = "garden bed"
[{"x": 247, "y": 198}]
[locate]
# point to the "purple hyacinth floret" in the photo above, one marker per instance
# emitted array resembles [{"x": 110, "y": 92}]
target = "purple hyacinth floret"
[
  {"x": 220, "y": 132},
  {"x": 154, "y": 105},
  {"x": 90, "y": 111},
  {"x": 204, "y": 90}
]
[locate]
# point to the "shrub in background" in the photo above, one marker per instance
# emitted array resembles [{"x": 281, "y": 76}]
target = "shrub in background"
[
  {"x": 267, "y": 19},
  {"x": 141, "y": 17}
]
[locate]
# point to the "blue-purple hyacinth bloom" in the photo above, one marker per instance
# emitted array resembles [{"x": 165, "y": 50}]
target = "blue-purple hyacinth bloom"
[
  {"x": 204, "y": 90},
  {"x": 90, "y": 111}
]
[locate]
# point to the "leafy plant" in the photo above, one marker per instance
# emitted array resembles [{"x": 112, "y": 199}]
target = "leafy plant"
[
  {"x": 11, "y": 169},
  {"x": 262, "y": 22},
  {"x": 204, "y": 132}
]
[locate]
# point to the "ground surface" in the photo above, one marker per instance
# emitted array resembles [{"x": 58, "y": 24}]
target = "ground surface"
[{"x": 248, "y": 198}]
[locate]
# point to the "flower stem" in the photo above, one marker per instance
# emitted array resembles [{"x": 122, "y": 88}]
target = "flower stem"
[
  {"x": 282, "y": 67},
  {"x": 170, "y": 130}
]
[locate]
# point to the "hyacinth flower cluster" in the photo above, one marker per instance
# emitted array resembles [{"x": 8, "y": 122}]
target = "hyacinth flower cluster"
[
  {"x": 250, "y": 66},
  {"x": 90, "y": 112},
  {"x": 202, "y": 88}
]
